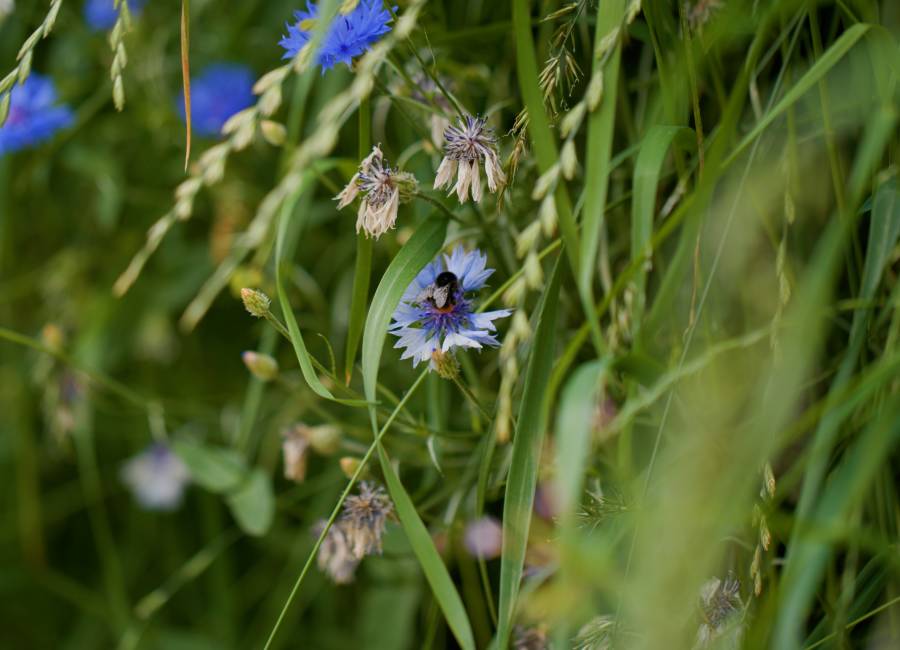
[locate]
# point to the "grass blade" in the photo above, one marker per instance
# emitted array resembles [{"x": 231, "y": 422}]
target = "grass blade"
[
  {"x": 647, "y": 169},
  {"x": 416, "y": 253},
  {"x": 429, "y": 559},
  {"x": 520, "y": 484},
  {"x": 574, "y": 427},
  {"x": 600, "y": 131}
]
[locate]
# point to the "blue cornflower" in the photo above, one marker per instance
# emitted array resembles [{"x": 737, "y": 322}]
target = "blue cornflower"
[
  {"x": 101, "y": 15},
  {"x": 218, "y": 93},
  {"x": 34, "y": 116},
  {"x": 348, "y": 36},
  {"x": 435, "y": 315}
]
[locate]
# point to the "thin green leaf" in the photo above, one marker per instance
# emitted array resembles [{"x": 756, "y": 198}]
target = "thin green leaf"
[
  {"x": 828, "y": 60},
  {"x": 844, "y": 491},
  {"x": 574, "y": 427},
  {"x": 303, "y": 358},
  {"x": 429, "y": 559},
  {"x": 520, "y": 483},
  {"x": 647, "y": 168},
  {"x": 600, "y": 131}
]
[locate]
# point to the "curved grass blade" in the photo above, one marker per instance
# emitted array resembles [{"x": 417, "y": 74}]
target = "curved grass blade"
[
  {"x": 429, "y": 559},
  {"x": 303, "y": 358},
  {"x": 416, "y": 253},
  {"x": 845, "y": 490},
  {"x": 828, "y": 60},
  {"x": 573, "y": 431},
  {"x": 600, "y": 131},
  {"x": 186, "y": 75},
  {"x": 520, "y": 483},
  {"x": 647, "y": 169}
]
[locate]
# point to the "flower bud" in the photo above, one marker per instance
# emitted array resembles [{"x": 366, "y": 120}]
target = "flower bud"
[
  {"x": 262, "y": 366},
  {"x": 445, "y": 364},
  {"x": 349, "y": 465},
  {"x": 255, "y": 302}
]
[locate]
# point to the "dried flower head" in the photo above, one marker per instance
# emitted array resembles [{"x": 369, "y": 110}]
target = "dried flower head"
[
  {"x": 529, "y": 638},
  {"x": 365, "y": 516},
  {"x": 699, "y": 12},
  {"x": 335, "y": 557},
  {"x": 383, "y": 189},
  {"x": 720, "y": 603},
  {"x": 294, "y": 446},
  {"x": 465, "y": 146}
]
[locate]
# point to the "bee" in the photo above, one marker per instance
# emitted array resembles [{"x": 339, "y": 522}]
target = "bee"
[{"x": 441, "y": 293}]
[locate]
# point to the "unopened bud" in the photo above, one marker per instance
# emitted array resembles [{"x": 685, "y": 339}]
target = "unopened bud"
[
  {"x": 325, "y": 438},
  {"x": 262, "y": 366},
  {"x": 349, "y": 465},
  {"x": 445, "y": 364},
  {"x": 256, "y": 302}
]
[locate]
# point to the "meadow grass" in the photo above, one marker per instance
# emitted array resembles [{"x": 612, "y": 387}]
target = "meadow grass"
[{"x": 685, "y": 436}]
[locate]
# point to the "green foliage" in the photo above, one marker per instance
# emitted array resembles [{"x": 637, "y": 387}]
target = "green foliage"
[{"x": 696, "y": 388}]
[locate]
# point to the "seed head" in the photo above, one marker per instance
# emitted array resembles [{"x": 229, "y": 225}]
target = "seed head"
[{"x": 365, "y": 516}]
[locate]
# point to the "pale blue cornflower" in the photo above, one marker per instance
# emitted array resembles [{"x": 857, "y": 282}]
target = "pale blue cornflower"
[
  {"x": 435, "y": 315},
  {"x": 34, "y": 115},
  {"x": 156, "y": 477},
  {"x": 101, "y": 15},
  {"x": 348, "y": 35},
  {"x": 219, "y": 92}
]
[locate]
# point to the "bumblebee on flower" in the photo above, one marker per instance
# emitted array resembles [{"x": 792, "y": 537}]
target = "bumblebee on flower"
[
  {"x": 383, "y": 189},
  {"x": 437, "y": 312}
]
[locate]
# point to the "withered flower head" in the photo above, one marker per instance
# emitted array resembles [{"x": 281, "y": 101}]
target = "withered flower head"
[
  {"x": 465, "y": 146},
  {"x": 365, "y": 516}
]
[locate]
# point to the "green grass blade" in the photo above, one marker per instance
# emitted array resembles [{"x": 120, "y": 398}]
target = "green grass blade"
[
  {"x": 520, "y": 484},
  {"x": 574, "y": 427},
  {"x": 600, "y": 133},
  {"x": 828, "y": 60},
  {"x": 647, "y": 169},
  {"x": 416, "y": 253},
  {"x": 844, "y": 491},
  {"x": 303, "y": 358},
  {"x": 429, "y": 559}
]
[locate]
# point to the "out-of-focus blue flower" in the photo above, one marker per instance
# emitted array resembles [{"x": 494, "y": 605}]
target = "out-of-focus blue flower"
[
  {"x": 156, "y": 478},
  {"x": 101, "y": 15},
  {"x": 218, "y": 93},
  {"x": 34, "y": 115},
  {"x": 425, "y": 325},
  {"x": 348, "y": 36}
]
